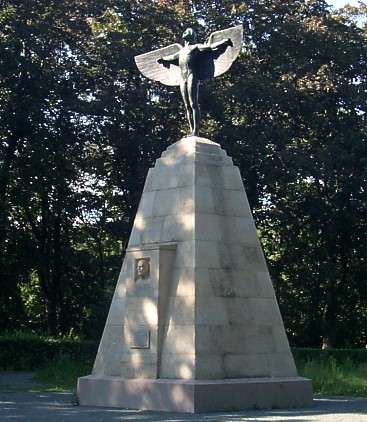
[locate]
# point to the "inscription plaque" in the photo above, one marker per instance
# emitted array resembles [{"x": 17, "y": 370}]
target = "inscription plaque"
[{"x": 140, "y": 338}]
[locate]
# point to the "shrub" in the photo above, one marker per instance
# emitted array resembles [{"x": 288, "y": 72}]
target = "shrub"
[
  {"x": 306, "y": 354},
  {"x": 22, "y": 351},
  {"x": 330, "y": 377},
  {"x": 27, "y": 352},
  {"x": 63, "y": 374}
]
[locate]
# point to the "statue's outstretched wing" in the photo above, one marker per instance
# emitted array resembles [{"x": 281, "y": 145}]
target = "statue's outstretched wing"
[
  {"x": 148, "y": 66},
  {"x": 224, "y": 61}
]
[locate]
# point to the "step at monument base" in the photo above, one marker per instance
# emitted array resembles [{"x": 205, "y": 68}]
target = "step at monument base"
[{"x": 195, "y": 396}]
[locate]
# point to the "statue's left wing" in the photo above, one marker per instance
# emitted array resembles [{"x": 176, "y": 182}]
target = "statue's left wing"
[
  {"x": 149, "y": 67},
  {"x": 224, "y": 61}
]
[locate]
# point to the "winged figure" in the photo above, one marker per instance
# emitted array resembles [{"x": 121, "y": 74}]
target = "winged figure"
[{"x": 188, "y": 65}]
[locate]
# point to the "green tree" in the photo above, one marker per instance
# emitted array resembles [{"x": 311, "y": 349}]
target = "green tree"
[
  {"x": 296, "y": 106},
  {"x": 79, "y": 128}
]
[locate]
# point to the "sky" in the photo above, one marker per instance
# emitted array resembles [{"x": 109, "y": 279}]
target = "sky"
[{"x": 341, "y": 3}]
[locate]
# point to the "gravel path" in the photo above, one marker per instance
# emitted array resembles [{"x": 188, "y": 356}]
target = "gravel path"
[{"x": 57, "y": 407}]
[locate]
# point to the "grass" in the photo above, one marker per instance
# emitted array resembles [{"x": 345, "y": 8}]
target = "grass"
[
  {"x": 62, "y": 375},
  {"x": 335, "y": 378},
  {"x": 329, "y": 377}
]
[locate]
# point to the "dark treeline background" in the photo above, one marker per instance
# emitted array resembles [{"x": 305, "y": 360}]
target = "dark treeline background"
[{"x": 79, "y": 128}]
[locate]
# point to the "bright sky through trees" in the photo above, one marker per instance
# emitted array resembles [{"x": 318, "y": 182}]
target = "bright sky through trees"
[{"x": 341, "y": 3}]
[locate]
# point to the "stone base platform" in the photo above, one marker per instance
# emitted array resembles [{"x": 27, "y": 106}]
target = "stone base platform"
[{"x": 195, "y": 396}]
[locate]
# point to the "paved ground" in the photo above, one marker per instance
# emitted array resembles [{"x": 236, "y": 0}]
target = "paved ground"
[{"x": 17, "y": 404}]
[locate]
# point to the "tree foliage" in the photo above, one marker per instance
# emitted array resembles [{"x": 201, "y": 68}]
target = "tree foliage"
[{"x": 79, "y": 128}]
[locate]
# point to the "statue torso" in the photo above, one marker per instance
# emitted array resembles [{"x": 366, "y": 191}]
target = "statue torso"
[{"x": 187, "y": 59}]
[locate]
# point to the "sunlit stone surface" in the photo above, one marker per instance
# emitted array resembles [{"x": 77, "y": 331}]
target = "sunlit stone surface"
[{"x": 205, "y": 308}]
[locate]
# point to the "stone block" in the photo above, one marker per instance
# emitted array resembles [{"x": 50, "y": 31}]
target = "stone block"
[
  {"x": 265, "y": 311},
  {"x": 205, "y": 201},
  {"x": 227, "y": 177},
  {"x": 232, "y": 283},
  {"x": 209, "y": 227},
  {"x": 195, "y": 396},
  {"x": 211, "y": 310},
  {"x": 165, "y": 202},
  {"x": 282, "y": 365},
  {"x": 125, "y": 273},
  {"x": 207, "y": 254},
  {"x": 236, "y": 339},
  {"x": 183, "y": 282},
  {"x": 197, "y": 149},
  {"x": 173, "y": 202},
  {"x": 185, "y": 255},
  {"x": 174, "y": 158},
  {"x": 146, "y": 231},
  {"x": 280, "y": 339},
  {"x": 218, "y": 339},
  {"x": 226, "y": 229},
  {"x": 245, "y": 365},
  {"x": 168, "y": 178},
  {"x": 185, "y": 201},
  {"x": 145, "y": 209},
  {"x": 142, "y": 310},
  {"x": 107, "y": 364},
  {"x": 143, "y": 289},
  {"x": 112, "y": 336},
  {"x": 241, "y": 257},
  {"x": 223, "y": 202},
  {"x": 179, "y": 339},
  {"x": 264, "y": 282},
  {"x": 141, "y": 369},
  {"x": 213, "y": 160},
  {"x": 181, "y": 366},
  {"x": 231, "y": 256},
  {"x": 150, "y": 180},
  {"x": 234, "y": 203},
  {"x": 120, "y": 291},
  {"x": 138, "y": 358},
  {"x": 111, "y": 347},
  {"x": 117, "y": 312},
  {"x": 254, "y": 257},
  {"x": 228, "y": 365},
  {"x": 209, "y": 366},
  {"x": 242, "y": 230},
  {"x": 238, "y": 311},
  {"x": 181, "y": 310},
  {"x": 178, "y": 228}
]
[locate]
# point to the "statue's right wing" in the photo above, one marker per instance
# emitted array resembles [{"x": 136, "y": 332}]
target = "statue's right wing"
[
  {"x": 148, "y": 66},
  {"x": 224, "y": 61}
]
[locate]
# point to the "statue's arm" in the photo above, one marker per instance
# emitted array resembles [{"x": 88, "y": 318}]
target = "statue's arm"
[
  {"x": 216, "y": 45},
  {"x": 167, "y": 74},
  {"x": 168, "y": 60}
]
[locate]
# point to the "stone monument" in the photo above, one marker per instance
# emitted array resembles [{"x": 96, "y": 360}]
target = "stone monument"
[{"x": 194, "y": 324}]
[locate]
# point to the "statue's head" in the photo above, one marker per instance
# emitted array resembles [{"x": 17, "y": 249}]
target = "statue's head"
[
  {"x": 142, "y": 268},
  {"x": 189, "y": 35}
]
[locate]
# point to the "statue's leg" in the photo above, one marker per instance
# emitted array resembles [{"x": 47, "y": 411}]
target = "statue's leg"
[
  {"x": 185, "y": 97},
  {"x": 193, "y": 89}
]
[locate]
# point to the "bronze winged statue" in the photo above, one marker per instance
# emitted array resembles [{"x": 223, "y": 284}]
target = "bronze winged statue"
[{"x": 188, "y": 65}]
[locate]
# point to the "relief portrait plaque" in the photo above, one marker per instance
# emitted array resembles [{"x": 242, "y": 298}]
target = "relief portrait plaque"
[{"x": 142, "y": 269}]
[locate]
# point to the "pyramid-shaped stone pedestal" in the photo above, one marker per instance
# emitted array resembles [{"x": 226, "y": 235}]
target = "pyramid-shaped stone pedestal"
[{"x": 194, "y": 323}]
